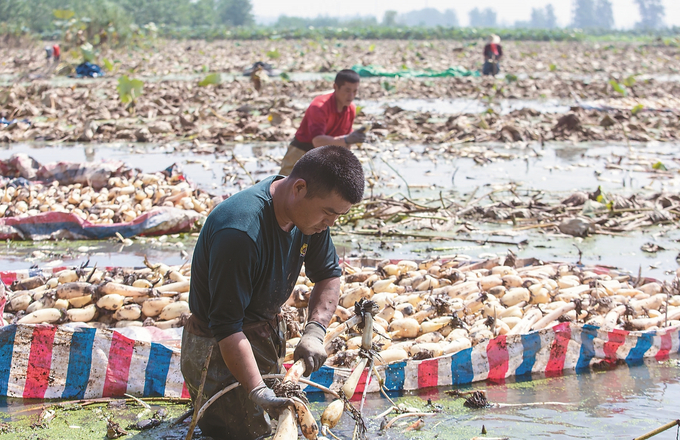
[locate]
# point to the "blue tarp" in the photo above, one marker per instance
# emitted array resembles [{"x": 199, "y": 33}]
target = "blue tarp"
[{"x": 88, "y": 70}]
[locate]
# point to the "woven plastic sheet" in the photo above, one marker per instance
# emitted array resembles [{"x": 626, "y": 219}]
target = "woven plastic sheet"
[
  {"x": 62, "y": 225},
  {"x": 75, "y": 361},
  {"x": 44, "y": 361},
  {"x": 373, "y": 70},
  {"x": 49, "y": 362},
  {"x": 565, "y": 347}
]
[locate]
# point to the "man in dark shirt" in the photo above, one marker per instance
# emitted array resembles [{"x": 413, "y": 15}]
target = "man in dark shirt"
[
  {"x": 246, "y": 262},
  {"x": 493, "y": 52},
  {"x": 327, "y": 121}
]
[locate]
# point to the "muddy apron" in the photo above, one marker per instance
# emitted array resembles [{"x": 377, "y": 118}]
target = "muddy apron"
[{"x": 233, "y": 416}]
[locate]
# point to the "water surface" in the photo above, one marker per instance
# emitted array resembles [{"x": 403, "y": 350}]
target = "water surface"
[{"x": 553, "y": 172}]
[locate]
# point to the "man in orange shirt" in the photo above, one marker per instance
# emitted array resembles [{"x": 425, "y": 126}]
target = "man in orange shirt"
[{"x": 327, "y": 121}]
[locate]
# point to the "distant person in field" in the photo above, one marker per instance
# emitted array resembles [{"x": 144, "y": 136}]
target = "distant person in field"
[
  {"x": 327, "y": 121},
  {"x": 56, "y": 52},
  {"x": 493, "y": 52}
]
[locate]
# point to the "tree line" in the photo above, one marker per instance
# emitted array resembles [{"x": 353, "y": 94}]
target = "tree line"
[
  {"x": 586, "y": 14},
  {"x": 39, "y": 15}
]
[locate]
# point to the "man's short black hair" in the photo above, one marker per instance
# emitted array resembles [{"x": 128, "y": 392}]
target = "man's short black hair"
[
  {"x": 331, "y": 168},
  {"x": 347, "y": 76}
]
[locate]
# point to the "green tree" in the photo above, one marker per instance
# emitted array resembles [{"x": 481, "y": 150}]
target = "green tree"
[
  {"x": 651, "y": 14},
  {"x": 450, "y": 18},
  {"x": 593, "y": 14},
  {"x": 35, "y": 14},
  {"x": 203, "y": 13},
  {"x": 285, "y": 21},
  {"x": 430, "y": 17},
  {"x": 390, "y": 18},
  {"x": 584, "y": 14},
  {"x": 103, "y": 15},
  {"x": 542, "y": 18},
  {"x": 359, "y": 21},
  {"x": 14, "y": 11},
  {"x": 482, "y": 18},
  {"x": 167, "y": 12},
  {"x": 604, "y": 14},
  {"x": 235, "y": 12},
  {"x": 323, "y": 21},
  {"x": 550, "y": 18},
  {"x": 95, "y": 15},
  {"x": 537, "y": 18}
]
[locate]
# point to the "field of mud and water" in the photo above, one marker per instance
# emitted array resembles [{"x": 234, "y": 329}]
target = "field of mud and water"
[{"x": 571, "y": 154}]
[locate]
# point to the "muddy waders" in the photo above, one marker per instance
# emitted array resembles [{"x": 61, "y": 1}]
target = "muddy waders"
[{"x": 233, "y": 416}]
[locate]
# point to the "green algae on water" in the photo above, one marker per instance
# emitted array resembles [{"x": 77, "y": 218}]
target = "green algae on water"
[{"x": 89, "y": 423}]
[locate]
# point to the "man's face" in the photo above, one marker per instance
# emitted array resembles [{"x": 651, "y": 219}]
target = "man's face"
[
  {"x": 346, "y": 93},
  {"x": 312, "y": 215}
]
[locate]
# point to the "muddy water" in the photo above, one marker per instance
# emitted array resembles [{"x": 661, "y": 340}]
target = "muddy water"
[
  {"x": 624, "y": 402},
  {"x": 618, "y": 252},
  {"x": 556, "y": 169},
  {"x": 462, "y": 105}
]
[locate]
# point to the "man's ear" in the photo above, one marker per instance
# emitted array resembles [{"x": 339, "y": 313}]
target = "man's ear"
[
  {"x": 300, "y": 188},
  {"x": 336, "y": 87}
]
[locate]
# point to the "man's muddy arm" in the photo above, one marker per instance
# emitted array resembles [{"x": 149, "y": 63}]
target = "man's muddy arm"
[
  {"x": 238, "y": 356},
  {"x": 323, "y": 300}
]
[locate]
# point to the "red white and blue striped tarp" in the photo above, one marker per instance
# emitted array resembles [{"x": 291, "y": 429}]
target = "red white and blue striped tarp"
[
  {"x": 565, "y": 347},
  {"x": 49, "y": 362},
  {"x": 9, "y": 276}
]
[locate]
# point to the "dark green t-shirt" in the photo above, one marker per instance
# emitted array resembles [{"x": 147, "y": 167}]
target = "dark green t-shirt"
[{"x": 245, "y": 266}]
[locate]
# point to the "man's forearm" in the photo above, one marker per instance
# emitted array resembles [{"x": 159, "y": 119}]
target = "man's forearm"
[
  {"x": 323, "y": 140},
  {"x": 324, "y": 300},
  {"x": 238, "y": 356}
]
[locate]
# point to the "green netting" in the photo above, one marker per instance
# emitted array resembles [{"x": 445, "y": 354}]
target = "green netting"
[{"x": 375, "y": 70}]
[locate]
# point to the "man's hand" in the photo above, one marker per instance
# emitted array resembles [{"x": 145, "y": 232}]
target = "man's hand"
[
  {"x": 356, "y": 137},
  {"x": 264, "y": 396},
  {"x": 310, "y": 348}
]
